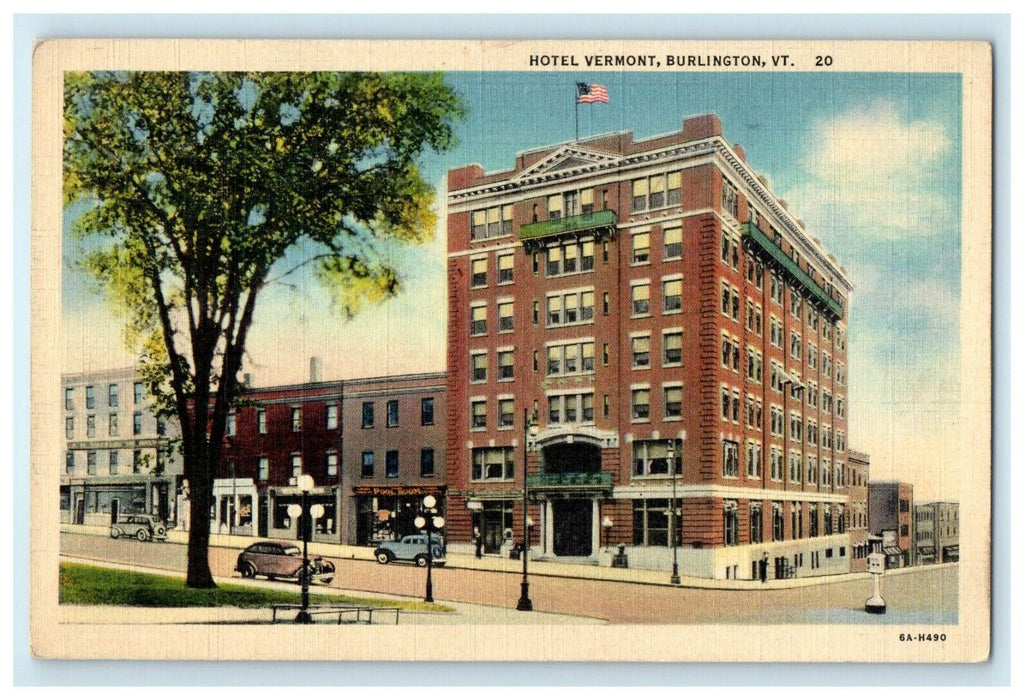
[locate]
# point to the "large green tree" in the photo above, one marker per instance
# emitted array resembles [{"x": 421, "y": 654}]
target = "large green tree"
[{"x": 198, "y": 189}]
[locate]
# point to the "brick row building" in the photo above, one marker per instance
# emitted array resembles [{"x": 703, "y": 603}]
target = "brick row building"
[{"x": 626, "y": 318}]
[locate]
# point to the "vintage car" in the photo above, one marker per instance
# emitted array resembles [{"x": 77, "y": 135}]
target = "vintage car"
[
  {"x": 411, "y": 548},
  {"x": 281, "y": 560},
  {"x": 142, "y": 527}
]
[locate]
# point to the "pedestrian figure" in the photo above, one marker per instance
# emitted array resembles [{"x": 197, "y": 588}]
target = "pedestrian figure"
[
  {"x": 478, "y": 539},
  {"x": 763, "y": 564}
]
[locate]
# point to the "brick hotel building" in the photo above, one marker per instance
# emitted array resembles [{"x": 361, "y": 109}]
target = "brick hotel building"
[{"x": 634, "y": 318}]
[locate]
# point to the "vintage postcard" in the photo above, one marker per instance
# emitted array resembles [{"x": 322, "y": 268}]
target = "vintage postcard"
[{"x": 557, "y": 351}]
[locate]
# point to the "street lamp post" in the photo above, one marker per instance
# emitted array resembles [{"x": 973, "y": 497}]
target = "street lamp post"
[
  {"x": 430, "y": 522},
  {"x": 671, "y": 460},
  {"x": 304, "y": 484},
  {"x": 529, "y": 425},
  {"x": 606, "y": 524}
]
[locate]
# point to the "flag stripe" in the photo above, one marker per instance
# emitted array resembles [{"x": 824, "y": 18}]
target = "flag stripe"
[{"x": 593, "y": 93}]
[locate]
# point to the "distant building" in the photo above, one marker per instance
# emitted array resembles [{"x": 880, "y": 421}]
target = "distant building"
[
  {"x": 937, "y": 532},
  {"x": 119, "y": 456},
  {"x": 857, "y": 477},
  {"x": 891, "y": 517},
  {"x": 625, "y": 315},
  {"x": 374, "y": 448}
]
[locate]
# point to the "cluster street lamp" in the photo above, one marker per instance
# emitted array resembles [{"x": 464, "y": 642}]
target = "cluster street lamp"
[
  {"x": 529, "y": 428},
  {"x": 428, "y": 521},
  {"x": 673, "y": 509},
  {"x": 305, "y": 484}
]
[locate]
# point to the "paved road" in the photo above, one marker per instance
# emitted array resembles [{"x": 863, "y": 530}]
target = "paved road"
[{"x": 922, "y": 596}]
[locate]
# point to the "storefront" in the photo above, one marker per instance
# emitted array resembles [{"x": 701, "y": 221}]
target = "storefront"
[
  {"x": 281, "y": 525},
  {"x": 235, "y": 507},
  {"x": 493, "y": 520},
  {"x": 98, "y": 501},
  {"x": 387, "y": 513}
]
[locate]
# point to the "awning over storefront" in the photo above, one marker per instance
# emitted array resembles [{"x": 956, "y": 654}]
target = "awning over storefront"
[
  {"x": 927, "y": 551},
  {"x": 892, "y": 551}
]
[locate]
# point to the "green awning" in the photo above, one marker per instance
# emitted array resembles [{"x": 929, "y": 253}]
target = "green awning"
[{"x": 570, "y": 224}]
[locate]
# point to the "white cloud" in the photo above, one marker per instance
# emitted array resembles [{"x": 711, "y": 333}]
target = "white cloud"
[{"x": 872, "y": 171}]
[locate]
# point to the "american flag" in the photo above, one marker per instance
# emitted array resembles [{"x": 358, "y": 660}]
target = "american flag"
[{"x": 591, "y": 93}]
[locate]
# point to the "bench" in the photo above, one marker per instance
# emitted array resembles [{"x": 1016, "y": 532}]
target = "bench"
[{"x": 362, "y": 614}]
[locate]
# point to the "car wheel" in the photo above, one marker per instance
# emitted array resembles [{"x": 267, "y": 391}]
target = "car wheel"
[
  {"x": 115, "y": 532},
  {"x": 247, "y": 571},
  {"x": 383, "y": 557},
  {"x": 422, "y": 560},
  {"x": 159, "y": 531},
  {"x": 142, "y": 535}
]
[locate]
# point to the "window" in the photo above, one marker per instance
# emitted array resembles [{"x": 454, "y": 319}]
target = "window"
[
  {"x": 112, "y": 395},
  {"x": 640, "y": 400},
  {"x": 811, "y": 394},
  {"x": 605, "y": 303},
  {"x": 332, "y": 416},
  {"x": 814, "y": 521},
  {"x": 811, "y": 470},
  {"x": 641, "y": 247},
  {"x": 755, "y": 522},
  {"x": 506, "y": 413},
  {"x": 672, "y": 243},
  {"x": 112, "y": 462},
  {"x": 651, "y": 522},
  {"x": 812, "y": 432},
  {"x": 839, "y": 409},
  {"x": 777, "y": 290},
  {"x": 506, "y": 366},
  {"x": 69, "y": 462},
  {"x": 159, "y": 426},
  {"x": 639, "y": 351},
  {"x": 572, "y": 358},
  {"x": 776, "y": 464},
  {"x": 730, "y": 301},
  {"x": 393, "y": 464},
  {"x": 479, "y": 366},
  {"x": 489, "y": 223},
  {"x": 776, "y": 421},
  {"x": 295, "y": 419},
  {"x": 493, "y": 464},
  {"x": 570, "y": 308},
  {"x": 671, "y": 295},
  {"x": 262, "y": 426},
  {"x": 796, "y": 346},
  {"x": 91, "y": 462},
  {"x": 478, "y": 323},
  {"x": 672, "y": 348},
  {"x": 570, "y": 257},
  {"x": 778, "y": 522},
  {"x": 828, "y": 520},
  {"x": 776, "y": 332},
  {"x": 826, "y": 365},
  {"x": 296, "y": 465},
  {"x": 729, "y": 250},
  {"x": 755, "y": 365},
  {"x": 426, "y": 462},
  {"x": 368, "y": 414},
  {"x": 673, "y": 400},
  {"x": 640, "y": 194},
  {"x": 652, "y": 457},
  {"x": 427, "y": 411},
  {"x": 112, "y": 425},
  {"x": 730, "y": 458},
  {"x": 730, "y": 523},
  {"x": 753, "y": 459},
  {"x": 392, "y": 414},
  {"x": 137, "y": 393},
  {"x": 729, "y": 199},
  {"x": 368, "y": 464},
  {"x": 91, "y": 426},
  {"x": 262, "y": 468},
  {"x": 479, "y": 414},
  {"x": 506, "y": 316},
  {"x": 69, "y": 399},
  {"x": 91, "y": 397},
  {"x": 571, "y": 408},
  {"x": 796, "y": 304},
  {"x": 137, "y": 423},
  {"x": 331, "y": 463},
  {"x": 639, "y": 295},
  {"x": 796, "y": 467},
  {"x": 506, "y": 272},
  {"x": 479, "y": 276}
]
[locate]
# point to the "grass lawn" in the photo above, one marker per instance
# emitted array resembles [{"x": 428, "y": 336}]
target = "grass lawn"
[{"x": 82, "y": 584}]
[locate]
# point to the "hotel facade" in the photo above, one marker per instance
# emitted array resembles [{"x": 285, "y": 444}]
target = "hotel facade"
[{"x": 645, "y": 331}]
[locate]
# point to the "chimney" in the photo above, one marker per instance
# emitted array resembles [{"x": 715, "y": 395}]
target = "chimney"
[
  {"x": 247, "y": 379},
  {"x": 315, "y": 370},
  {"x": 739, "y": 150}
]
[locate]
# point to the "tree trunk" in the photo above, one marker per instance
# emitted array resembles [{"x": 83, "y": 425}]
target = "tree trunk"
[{"x": 198, "y": 568}]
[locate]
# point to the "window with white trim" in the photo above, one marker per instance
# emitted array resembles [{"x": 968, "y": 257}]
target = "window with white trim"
[
  {"x": 672, "y": 243},
  {"x": 506, "y": 268},
  {"x": 672, "y": 295},
  {"x": 652, "y": 458},
  {"x": 731, "y": 458},
  {"x": 640, "y": 404},
  {"x": 478, "y": 319},
  {"x": 493, "y": 464},
  {"x": 673, "y": 397},
  {"x": 479, "y": 273},
  {"x": 672, "y": 348},
  {"x": 640, "y": 294}
]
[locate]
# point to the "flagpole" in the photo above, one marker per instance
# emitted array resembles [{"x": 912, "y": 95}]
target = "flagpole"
[{"x": 576, "y": 110}]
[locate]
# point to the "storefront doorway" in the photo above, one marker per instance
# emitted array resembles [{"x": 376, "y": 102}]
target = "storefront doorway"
[{"x": 572, "y": 527}]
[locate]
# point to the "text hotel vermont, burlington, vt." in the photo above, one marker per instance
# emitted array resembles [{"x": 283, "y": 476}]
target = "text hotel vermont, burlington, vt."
[{"x": 625, "y": 313}]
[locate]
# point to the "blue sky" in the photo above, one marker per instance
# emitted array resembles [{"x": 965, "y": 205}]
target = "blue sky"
[{"x": 871, "y": 163}]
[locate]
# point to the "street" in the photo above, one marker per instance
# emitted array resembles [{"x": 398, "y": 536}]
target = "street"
[{"x": 919, "y": 596}]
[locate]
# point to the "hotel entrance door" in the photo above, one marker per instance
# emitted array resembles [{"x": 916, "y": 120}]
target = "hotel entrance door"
[{"x": 572, "y": 527}]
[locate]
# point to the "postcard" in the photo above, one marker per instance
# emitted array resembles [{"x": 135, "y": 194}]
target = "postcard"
[{"x": 554, "y": 350}]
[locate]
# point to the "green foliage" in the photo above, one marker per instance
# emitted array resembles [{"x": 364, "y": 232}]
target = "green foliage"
[{"x": 82, "y": 584}]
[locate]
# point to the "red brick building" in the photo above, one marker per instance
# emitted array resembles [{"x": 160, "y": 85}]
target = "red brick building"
[
  {"x": 857, "y": 476},
  {"x": 654, "y": 311},
  {"x": 892, "y": 518},
  {"x": 367, "y": 443}
]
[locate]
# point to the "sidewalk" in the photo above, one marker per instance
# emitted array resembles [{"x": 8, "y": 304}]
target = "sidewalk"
[
  {"x": 463, "y": 613},
  {"x": 537, "y": 567}
]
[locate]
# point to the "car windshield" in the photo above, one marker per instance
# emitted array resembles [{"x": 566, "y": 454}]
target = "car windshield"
[{"x": 291, "y": 551}]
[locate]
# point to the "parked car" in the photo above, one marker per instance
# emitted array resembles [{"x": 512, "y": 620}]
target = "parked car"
[
  {"x": 411, "y": 548},
  {"x": 281, "y": 560},
  {"x": 142, "y": 527}
]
